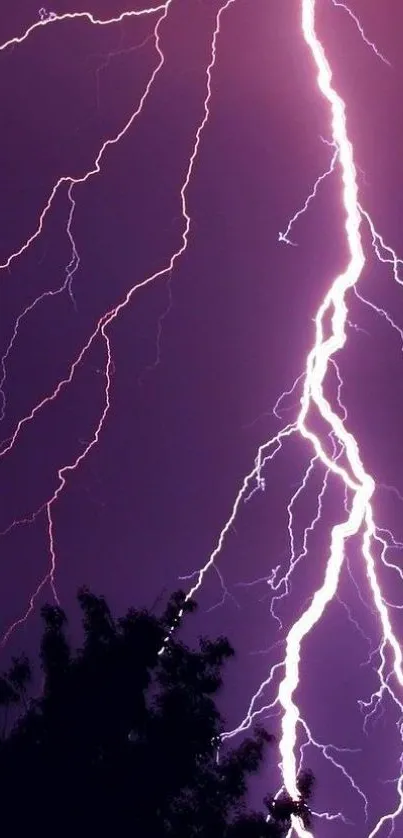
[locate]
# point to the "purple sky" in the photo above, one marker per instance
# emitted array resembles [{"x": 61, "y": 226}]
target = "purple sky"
[{"x": 200, "y": 357}]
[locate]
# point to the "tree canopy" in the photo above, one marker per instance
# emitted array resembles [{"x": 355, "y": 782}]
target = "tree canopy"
[{"x": 124, "y": 738}]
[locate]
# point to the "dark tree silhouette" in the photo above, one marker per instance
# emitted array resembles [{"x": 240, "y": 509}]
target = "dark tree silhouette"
[{"x": 126, "y": 739}]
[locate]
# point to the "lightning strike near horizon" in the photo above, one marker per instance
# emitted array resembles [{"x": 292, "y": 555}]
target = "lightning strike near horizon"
[{"x": 319, "y": 423}]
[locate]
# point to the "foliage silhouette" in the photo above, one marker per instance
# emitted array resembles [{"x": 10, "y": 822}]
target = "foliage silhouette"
[{"x": 125, "y": 738}]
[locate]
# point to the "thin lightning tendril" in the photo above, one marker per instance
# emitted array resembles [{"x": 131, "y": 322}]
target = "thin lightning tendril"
[
  {"x": 361, "y": 31},
  {"x": 100, "y": 332},
  {"x": 53, "y": 18},
  {"x": 68, "y": 179}
]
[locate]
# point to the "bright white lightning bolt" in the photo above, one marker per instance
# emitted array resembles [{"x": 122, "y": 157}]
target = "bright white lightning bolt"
[
  {"x": 356, "y": 479},
  {"x": 361, "y": 516},
  {"x": 358, "y": 484}
]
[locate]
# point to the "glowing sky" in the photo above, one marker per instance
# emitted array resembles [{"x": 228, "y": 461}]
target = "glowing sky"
[{"x": 172, "y": 316}]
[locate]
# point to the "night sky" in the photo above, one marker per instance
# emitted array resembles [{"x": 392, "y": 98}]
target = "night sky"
[{"x": 200, "y": 355}]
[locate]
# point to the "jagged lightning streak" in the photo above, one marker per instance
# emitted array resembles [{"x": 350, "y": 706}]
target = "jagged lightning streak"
[
  {"x": 361, "y": 30},
  {"x": 73, "y": 265},
  {"x": 356, "y": 478},
  {"x": 359, "y": 485},
  {"x": 107, "y": 319},
  {"x": 73, "y": 182},
  {"x": 361, "y": 516},
  {"x": 284, "y": 237},
  {"x": 46, "y": 18},
  {"x": 68, "y": 179}
]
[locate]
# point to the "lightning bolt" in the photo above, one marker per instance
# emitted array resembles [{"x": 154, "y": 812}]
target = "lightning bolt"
[
  {"x": 68, "y": 179},
  {"x": 337, "y": 450},
  {"x": 361, "y": 31},
  {"x": 354, "y": 476},
  {"x": 333, "y": 449},
  {"x": 100, "y": 332}
]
